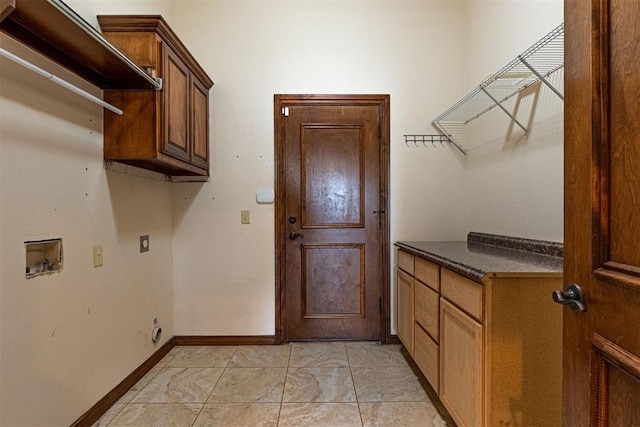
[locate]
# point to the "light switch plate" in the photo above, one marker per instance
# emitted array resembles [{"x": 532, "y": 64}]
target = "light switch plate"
[
  {"x": 245, "y": 217},
  {"x": 98, "y": 260}
]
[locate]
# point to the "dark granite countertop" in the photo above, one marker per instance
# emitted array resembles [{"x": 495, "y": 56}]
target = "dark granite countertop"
[{"x": 483, "y": 256}]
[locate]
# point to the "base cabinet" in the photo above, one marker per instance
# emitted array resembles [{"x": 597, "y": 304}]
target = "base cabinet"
[{"x": 493, "y": 357}]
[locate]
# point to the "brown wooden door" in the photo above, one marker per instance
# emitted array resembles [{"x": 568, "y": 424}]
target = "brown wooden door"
[
  {"x": 602, "y": 206},
  {"x": 332, "y": 218}
]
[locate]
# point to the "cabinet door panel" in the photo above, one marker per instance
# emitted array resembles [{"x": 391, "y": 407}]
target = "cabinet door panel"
[
  {"x": 404, "y": 310},
  {"x": 461, "y": 362},
  {"x": 176, "y": 107},
  {"x": 199, "y": 124}
]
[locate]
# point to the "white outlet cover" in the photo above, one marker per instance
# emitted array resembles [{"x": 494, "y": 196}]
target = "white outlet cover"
[{"x": 265, "y": 195}]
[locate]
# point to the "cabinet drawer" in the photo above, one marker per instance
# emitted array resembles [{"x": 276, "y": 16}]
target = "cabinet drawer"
[
  {"x": 427, "y": 357},
  {"x": 463, "y": 292},
  {"x": 428, "y": 273},
  {"x": 405, "y": 261},
  {"x": 427, "y": 309}
]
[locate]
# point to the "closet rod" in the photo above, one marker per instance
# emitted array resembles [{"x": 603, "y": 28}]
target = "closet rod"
[{"x": 65, "y": 84}]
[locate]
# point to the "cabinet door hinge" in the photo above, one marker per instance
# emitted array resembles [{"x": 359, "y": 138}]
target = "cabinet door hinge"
[{"x": 285, "y": 111}]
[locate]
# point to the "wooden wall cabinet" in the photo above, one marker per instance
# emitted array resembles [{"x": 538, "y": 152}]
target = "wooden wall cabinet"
[
  {"x": 491, "y": 349},
  {"x": 165, "y": 131}
]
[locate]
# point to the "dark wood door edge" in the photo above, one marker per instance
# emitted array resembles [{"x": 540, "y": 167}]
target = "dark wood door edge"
[
  {"x": 104, "y": 404},
  {"x": 281, "y": 101}
]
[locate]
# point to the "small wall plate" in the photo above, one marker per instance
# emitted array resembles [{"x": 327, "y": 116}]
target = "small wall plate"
[{"x": 144, "y": 243}]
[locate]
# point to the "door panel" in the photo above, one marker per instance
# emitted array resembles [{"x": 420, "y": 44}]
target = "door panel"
[
  {"x": 602, "y": 212},
  {"x": 333, "y": 175},
  {"x": 333, "y": 281},
  {"x": 624, "y": 129},
  {"x": 332, "y": 227}
]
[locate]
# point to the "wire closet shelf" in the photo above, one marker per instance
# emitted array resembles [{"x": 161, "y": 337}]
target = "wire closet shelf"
[{"x": 535, "y": 64}]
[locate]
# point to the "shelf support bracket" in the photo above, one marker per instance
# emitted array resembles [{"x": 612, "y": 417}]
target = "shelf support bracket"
[
  {"x": 541, "y": 77},
  {"x": 504, "y": 109}
]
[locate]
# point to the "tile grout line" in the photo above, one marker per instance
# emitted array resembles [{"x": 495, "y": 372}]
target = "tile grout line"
[
  {"x": 284, "y": 385},
  {"x": 353, "y": 382},
  {"x": 224, "y": 369}
]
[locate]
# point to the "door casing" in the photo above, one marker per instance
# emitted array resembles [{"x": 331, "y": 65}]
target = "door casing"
[{"x": 282, "y": 101}]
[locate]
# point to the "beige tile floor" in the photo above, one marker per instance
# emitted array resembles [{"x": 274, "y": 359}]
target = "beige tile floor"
[{"x": 299, "y": 384}]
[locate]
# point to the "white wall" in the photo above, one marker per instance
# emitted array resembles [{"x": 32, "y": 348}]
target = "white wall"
[
  {"x": 514, "y": 183},
  {"x": 69, "y": 338},
  {"x": 224, "y": 271}
]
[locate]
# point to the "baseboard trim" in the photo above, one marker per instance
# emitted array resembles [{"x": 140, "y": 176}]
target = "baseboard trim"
[
  {"x": 225, "y": 340},
  {"x": 104, "y": 404}
]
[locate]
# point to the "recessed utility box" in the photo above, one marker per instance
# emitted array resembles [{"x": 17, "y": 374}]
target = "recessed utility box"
[{"x": 43, "y": 257}]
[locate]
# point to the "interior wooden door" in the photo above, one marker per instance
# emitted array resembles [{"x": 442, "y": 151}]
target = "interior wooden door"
[
  {"x": 602, "y": 207},
  {"x": 331, "y": 216}
]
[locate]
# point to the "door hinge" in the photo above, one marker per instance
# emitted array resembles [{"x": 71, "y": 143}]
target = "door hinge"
[{"x": 285, "y": 111}]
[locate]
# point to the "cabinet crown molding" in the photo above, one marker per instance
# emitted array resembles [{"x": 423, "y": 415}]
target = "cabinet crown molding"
[{"x": 154, "y": 24}]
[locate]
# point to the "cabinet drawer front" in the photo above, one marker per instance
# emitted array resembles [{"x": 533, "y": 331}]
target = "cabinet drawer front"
[
  {"x": 427, "y": 309},
  {"x": 405, "y": 261},
  {"x": 404, "y": 309},
  {"x": 427, "y": 357},
  {"x": 428, "y": 273},
  {"x": 463, "y": 292}
]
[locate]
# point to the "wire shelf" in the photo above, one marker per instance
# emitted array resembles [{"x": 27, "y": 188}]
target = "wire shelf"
[{"x": 535, "y": 64}]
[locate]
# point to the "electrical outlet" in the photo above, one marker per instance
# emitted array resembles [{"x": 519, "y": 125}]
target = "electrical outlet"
[
  {"x": 245, "y": 217},
  {"x": 97, "y": 256},
  {"x": 144, "y": 243}
]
